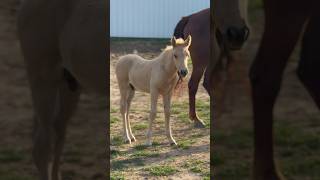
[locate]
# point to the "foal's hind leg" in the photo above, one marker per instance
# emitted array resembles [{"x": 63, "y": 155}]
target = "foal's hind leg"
[
  {"x": 124, "y": 88},
  {"x": 193, "y": 84},
  {"x": 309, "y": 66},
  {"x": 129, "y": 100}
]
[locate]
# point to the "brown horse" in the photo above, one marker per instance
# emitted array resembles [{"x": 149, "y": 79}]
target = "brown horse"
[
  {"x": 64, "y": 46},
  {"x": 231, "y": 33},
  {"x": 284, "y": 22}
]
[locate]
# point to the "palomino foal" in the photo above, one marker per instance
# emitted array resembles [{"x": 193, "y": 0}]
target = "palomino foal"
[{"x": 157, "y": 77}]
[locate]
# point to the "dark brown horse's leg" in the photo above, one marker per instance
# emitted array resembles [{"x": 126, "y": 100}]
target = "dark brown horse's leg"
[
  {"x": 309, "y": 66},
  {"x": 68, "y": 97},
  {"x": 44, "y": 88},
  {"x": 282, "y": 30},
  {"x": 193, "y": 88}
]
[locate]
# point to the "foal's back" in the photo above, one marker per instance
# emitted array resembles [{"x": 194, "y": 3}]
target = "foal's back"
[{"x": 134, "y": 70}]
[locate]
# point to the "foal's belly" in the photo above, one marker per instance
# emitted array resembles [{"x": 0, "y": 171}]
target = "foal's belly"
[{"x": 140, "y": 81}]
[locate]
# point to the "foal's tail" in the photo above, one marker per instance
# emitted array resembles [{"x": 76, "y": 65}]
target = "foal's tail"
[{"x": 178, "y": 30}]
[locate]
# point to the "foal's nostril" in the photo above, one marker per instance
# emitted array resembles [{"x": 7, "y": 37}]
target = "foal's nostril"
[{"x": 184, "y": 72}]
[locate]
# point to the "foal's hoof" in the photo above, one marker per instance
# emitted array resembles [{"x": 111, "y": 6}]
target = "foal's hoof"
[
  {"x": 127, "y": 141},
  {"x": 133, "y": 139},
  {"x": 173, "y": 144},
  {"x": 199, "y": 124}
]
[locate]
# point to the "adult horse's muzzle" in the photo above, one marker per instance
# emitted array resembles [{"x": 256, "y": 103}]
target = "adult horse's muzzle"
[{"x": 233, "y": 38}]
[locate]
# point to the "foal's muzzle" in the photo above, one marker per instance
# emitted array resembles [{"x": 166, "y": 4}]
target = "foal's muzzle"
[{"x": 183, "y": 72}]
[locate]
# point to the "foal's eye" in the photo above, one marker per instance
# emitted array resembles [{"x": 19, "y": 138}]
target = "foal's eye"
[{"x": 175, "y": 56}]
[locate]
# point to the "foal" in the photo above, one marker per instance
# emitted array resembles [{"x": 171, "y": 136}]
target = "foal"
[{"x": 157, "y": 77}]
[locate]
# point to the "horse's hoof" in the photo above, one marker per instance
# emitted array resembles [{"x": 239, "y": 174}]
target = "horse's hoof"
[
  {"x": 133, "y": 139},
  {"x": 127, "y": 141},
  {"x": 173, "y": 144},
  {"x": 199, "y": 124}
]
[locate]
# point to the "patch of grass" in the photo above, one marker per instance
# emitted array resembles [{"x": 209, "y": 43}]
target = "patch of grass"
[
  {"x": 124, "y": 164},
  {"x": 162, "y": 170},
  {"x": 155, "y": 144},
  {"x": 140, "y": 126},
  {"x": 242, "y": 138},
  {"x": 196, "y": 166},
  {"x": 140, "y": 147},
  {"x": 185, "y": 144},
  {"x": 116, "y": 175},
  {"x": 113, "y": 110},
  {"x": 145, "y": 154},
  {"x": 237, "y": 171},
  {"x": 114, "y": 119},
  {"x": 116, "y": 141},
  {"x": 115, "y": 153},
  {"x": 198, "y": 135},
  {"x": 180, "y": 110},
  {"x": 10, "y": 156}
]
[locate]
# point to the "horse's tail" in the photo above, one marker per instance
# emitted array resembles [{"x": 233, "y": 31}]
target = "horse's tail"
[{"x": 178, "y": 30}]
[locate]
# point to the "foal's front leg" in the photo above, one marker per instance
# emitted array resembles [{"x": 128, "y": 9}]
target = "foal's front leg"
[
  {"x": 166, "y": 107},
  {"x": 153, "y": 112}
]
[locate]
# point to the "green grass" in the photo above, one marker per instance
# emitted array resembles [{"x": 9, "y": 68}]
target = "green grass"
[
  {"x": 185, "y": 144},
  {"x": 11, "y": 156},
  {"x": 197, "y": 166},
  {"x": 126, "y": 163},
  {"x": 116, "y": 140},
  {"x": 114, "y": 119},
  {"x": 115, "y": 153},
  {"x": 162, "y": 170},
  {"x": 145, "y": 154},
  {"x": 116, "y": 175},
  {"x": 140, "y": 126}
]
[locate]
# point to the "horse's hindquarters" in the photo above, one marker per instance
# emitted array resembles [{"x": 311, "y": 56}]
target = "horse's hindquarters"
[{"x": 84, "y": 46}]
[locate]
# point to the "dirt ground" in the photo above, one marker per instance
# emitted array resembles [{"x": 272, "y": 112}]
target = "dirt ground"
[
  {"x": 190, "y": 160},
  {"x": 84, "y": 153}
]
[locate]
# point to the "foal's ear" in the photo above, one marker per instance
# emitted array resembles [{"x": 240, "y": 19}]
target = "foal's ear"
[
  {"x": 187, "y": 42},
  {"x": 173, "y": 41}
]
